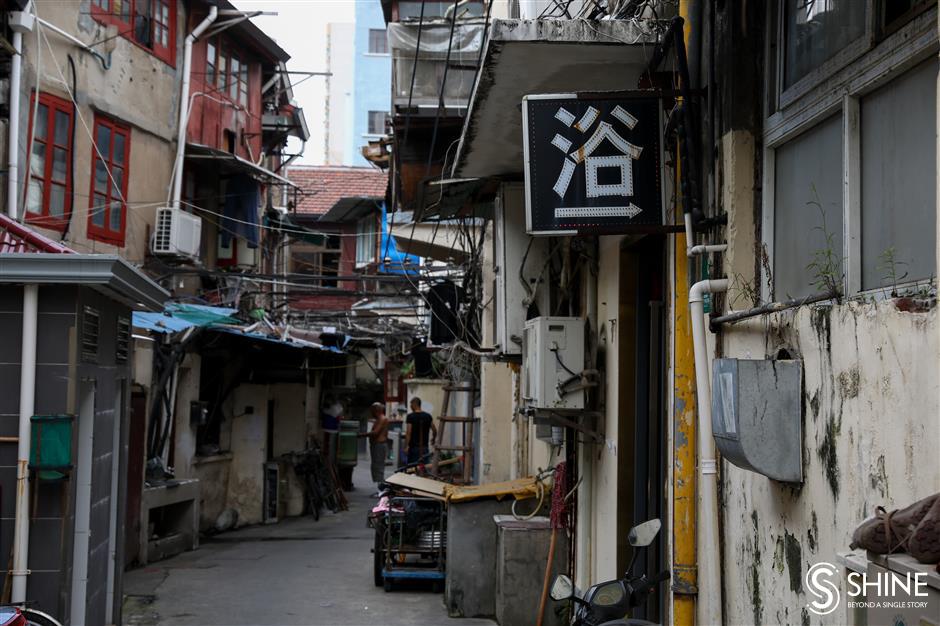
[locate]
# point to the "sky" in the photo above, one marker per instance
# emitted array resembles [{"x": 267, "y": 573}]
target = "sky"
[{"x": 300, "y": 28}]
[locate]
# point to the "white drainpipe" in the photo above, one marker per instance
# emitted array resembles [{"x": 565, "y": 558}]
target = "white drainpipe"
[
  {"x": 20, "y": 22},
  {"x": 184, "y": 103},
  {"x": 709, "y": 572},
  {"x": 27, "y": 404},
  {"x": 13, "y": 142}
]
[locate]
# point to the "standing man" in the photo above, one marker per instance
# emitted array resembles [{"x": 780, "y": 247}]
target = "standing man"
[
  {"x": 418, "y": 426},
  {"x": 378, "y": 442}
]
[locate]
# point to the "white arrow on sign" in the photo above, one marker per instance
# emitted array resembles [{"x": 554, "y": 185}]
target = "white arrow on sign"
[{"x": 629, "y": 211}]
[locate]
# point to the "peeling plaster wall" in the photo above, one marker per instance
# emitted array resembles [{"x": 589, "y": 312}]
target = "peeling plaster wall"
[
  {"x": 737, "y": 190},
  {"x": 496, "y": 422},
  {"x": 870, "y": 434}
]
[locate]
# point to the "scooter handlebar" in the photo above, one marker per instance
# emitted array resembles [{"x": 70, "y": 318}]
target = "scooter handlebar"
[{"x": 660, "y": 577}]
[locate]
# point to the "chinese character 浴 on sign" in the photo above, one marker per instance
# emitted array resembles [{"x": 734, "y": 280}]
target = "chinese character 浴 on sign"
[{"x": 593, "y": 164}]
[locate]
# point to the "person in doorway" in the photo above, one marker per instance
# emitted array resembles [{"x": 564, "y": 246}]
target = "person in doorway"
[
  {"x": 378, "y": 443},
  {"x": 419, "y": 431}
]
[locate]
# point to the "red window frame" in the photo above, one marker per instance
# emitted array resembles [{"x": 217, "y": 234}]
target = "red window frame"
[
  {"x": 53, "y": 105},
  {"x": 102, "y": 202},
  {"x": 125, "y": 14},
  {"x": 223, "y": 78}
]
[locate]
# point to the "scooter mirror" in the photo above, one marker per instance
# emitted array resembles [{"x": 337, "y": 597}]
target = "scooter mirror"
[
  {"x": 562, "y": 589},
  {"x": 643, "y": 534}
]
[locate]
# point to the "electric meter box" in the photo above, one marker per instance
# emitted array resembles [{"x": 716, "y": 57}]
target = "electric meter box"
[
  {"x": 553, "y": 361},
  {"x": 757, "y": 416}
]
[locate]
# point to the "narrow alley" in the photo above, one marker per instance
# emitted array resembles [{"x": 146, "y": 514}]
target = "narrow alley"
[{"x": 316, "y": 573}]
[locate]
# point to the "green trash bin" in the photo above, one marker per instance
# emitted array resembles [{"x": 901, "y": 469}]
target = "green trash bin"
[
  {"x": 347, "y": 447},
  {"x": 50, "y": 450}
]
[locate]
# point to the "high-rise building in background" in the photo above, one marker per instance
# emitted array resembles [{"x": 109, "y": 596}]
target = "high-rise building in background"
[
  {"x": 357, "y": 101},
  {"x": 340, "y": 52}
]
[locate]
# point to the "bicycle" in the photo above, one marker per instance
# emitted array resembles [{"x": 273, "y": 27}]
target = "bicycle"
[{"x": 317, "y": 479}]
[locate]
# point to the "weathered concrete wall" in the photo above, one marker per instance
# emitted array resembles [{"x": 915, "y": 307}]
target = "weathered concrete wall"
[
  {"x": 290, "y": 436},
  {"x": 213, "y": 475},
  {"x": 249, "y": 437},
  {"x": 496, "y": 415},
  {"x": 187, "y": 391},
  {"x": 870, "y": 436},
  {"x": 139, "y": 90}
]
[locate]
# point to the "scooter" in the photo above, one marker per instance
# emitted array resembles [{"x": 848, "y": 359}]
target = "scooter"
[
  {"x": 606, "y": 604},
  {"x": 22, "y": 616}
]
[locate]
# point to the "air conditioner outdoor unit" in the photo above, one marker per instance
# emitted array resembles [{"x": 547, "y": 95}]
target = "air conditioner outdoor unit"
[
  {"x": 553, "y": 362},
  {"x": 177, "y": 233}
]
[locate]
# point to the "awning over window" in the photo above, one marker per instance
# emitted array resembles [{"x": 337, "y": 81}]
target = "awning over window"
[
  {"x": 233, "y": 163},
  {"x": 525, "y": 57},
  {"x": 108, "y": 274}
]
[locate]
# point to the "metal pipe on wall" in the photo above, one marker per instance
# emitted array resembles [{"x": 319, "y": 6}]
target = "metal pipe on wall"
[
  {"x": 184, "y": 104},
  {"x": 707, "y": 544},
  {"x": 20, "y": 22},
  {"x": 27, "y": 406}
]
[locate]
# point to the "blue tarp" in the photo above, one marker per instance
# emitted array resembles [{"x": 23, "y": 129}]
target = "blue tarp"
[
  {"x": 177, "y": 316},
  {"x": 399, "y": 262}
]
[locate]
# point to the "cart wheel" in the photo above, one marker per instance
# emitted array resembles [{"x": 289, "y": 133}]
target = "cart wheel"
[
  {"x": 378, "y": 556},
  {"x": 387, "y": 584}
]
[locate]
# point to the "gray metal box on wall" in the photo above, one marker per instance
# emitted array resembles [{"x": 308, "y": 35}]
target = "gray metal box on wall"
[{"x": 757, "y": 416}]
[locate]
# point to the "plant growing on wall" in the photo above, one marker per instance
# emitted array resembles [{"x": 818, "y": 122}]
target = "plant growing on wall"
[
  {"x": 892, "y": 271},
  {"x": 826, "y": 263}
]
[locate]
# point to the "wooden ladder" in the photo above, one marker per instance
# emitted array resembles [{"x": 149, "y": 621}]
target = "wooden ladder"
[{"x": 467, "y": 423}]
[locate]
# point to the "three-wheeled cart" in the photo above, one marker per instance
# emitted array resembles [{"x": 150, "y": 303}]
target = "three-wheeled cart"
[{"x": 410, "y": 541}]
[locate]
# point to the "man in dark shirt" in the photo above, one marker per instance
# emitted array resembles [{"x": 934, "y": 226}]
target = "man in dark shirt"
[{"x": 418, "y": 426}]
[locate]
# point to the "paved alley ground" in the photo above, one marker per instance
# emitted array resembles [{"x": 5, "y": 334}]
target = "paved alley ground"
[{"x": 298, "y": 572}]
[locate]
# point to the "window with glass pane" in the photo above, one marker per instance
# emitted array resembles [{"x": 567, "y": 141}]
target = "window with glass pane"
[
  {"x": 108, "y": 203},
  {"x": 48, "y": 191},
  {"x": 376, "y": 122},
  {"x": 210, "y": 63},
  {"x": 899, "y": 161},
  {"x": 807, "y": 208},
  {"x": 321, "y": 262},
  {"x": 222, "y": 70},
  {"x": 816, "y": 30},
  {"x": 378, "y": 41},
  {"x": 150, "y": 23},
  {"x": 365, "y": 241},
  {"x": 233, "y": 80},
  {"x": 243, "y": 86},
  {"x": 161, "y": 23}
]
